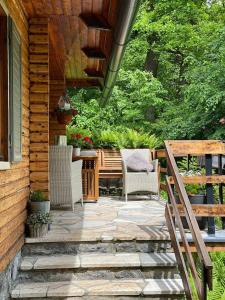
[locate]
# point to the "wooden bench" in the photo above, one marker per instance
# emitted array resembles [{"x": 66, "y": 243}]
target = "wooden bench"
[{"x": 110, "y": 163}]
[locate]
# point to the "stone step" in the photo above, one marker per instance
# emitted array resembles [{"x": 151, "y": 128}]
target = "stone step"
[
  {"x": 50, "y": 248},
  {"x": 96, "y": 260},
  {"x": 123, "y": 289},
  {"x": 98, "y": 265}
]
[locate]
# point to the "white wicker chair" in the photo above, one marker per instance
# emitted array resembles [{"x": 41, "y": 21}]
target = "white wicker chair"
[
  {"x": 65, "y": 177},
  {"x": 139, "y": 181}
]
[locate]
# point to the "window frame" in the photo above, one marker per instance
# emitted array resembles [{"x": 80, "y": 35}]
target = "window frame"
[{"x": 5, "y": 164}]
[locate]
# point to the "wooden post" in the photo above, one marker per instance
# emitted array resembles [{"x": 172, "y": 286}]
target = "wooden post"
[
  {"x": 39, "y": 103},
  {"x": 209, "y": 192},
  {"x": 220, "y": 172}
]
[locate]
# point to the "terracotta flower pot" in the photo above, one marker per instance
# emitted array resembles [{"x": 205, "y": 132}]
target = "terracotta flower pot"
[{"x": 64, "y": 118}]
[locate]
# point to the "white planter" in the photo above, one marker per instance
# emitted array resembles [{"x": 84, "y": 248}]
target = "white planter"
[{"x": 76, "y": 151}]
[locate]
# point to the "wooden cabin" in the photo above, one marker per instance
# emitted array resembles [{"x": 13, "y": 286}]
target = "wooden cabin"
[{"x": 45, "y": 47}]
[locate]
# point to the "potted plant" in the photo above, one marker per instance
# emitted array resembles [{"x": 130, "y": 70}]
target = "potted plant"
[
  {"x": 65, "y": 111},
  {"x": 38, "y": 224},
  {"x": 39, "y": 203},
  {"x": 76, "y": 140},
  {"x": 64, "y": 116}
]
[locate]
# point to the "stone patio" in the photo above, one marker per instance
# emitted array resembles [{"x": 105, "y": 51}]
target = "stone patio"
[{"x": 109, "y": 219}]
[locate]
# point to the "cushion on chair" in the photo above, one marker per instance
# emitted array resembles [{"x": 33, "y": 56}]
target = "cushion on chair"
[{"x": 137, "y": 163}]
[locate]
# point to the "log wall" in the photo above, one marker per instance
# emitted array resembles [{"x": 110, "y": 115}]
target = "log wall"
[
  {"x": 14, "y": 183},
  {"x": 57, "y": 88},
  {"x": 39, "y": 103}
]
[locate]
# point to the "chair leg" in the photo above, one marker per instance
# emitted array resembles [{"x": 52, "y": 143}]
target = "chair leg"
[
  {"x": 82, "y": 201},
  {"x": 126, "y": 197}
]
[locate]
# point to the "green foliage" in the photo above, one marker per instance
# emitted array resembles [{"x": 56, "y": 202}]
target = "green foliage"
[
  {"x": 128, "y": 138},
  {"x": 37, "y": 196}
]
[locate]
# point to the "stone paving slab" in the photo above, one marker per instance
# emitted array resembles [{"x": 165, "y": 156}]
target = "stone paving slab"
[
  {"x": 131, "y": 287},
  {"x": 98, "y": 260},
  {"x": 108, "y": 219}
]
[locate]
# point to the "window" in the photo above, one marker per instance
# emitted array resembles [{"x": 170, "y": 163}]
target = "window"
[
  {"x": 3, "y": 88},
  {"x": 10, "y": 91}
]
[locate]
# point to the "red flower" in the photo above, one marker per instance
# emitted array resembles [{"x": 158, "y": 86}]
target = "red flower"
[
  {"x": 88, "y": 140},
  {"x": 73, "y": 136},
  {"x": 78, "y": 136}
]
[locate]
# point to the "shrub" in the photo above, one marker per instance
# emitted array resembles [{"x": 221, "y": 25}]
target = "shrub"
[
  {"x": 37, "y": 196},
  {"x": 128, "y": 138}
]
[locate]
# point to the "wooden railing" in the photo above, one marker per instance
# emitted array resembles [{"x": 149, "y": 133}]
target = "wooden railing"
[{"x": 175, "y": 212}]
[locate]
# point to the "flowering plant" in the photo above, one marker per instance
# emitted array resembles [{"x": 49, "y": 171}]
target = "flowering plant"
[{"x": 78, "y": 141}]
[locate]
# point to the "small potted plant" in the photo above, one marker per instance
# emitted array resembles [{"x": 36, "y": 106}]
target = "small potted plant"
[
  {"x": 39, "y": 203},
  {"x": 38, "y": 224},
  {"x": 76, "y": 140}
]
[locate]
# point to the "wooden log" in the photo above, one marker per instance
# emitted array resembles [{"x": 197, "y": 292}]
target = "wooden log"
[
  {"x": 201, "y": 179},
  {"x": 38, "y": 38},
  {"x": 38, "y": 147},
  {"x": 38, "y": 28},
  {"x": 39, "y": 127},
  {"x": 197, "y": 148},
  {"x": 39, "y": 98},
  {"x": 38, "y": 68},
  {"x": 39, "y": 117},
  {"x": 39, "y": 88},
  {"x": 204, "y": 210},
  {"x": 43, "y": 186},
  {"x": 13, "y": 199},
  {"x": 40, "y": 156},
  {"x": 38, "y": 49},
  {"x": 10, "y": 227},
  {"x": 39, "y": 166},
  {"x": 14, "y": 186},
  {"x": 39, "y": 108},
  {"x": 5, "y": 260},
  {"x": 39, "y": 176},
  {"x": 39, "y": 137},
  {"x": 10, "y": 240},
  {"x": 11, "y": 213}
]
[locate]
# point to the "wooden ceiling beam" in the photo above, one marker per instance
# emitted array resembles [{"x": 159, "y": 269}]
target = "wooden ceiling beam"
[
  {"x": 93, "y": 73},
  {"x": 97, "y": 22},
  {"x": 83, "y": 83},
  {"x": 94, "y": 53}
]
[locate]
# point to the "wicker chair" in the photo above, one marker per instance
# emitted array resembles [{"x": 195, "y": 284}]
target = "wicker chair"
[
  {"x": 65, "y": 177},
  {"x": 139, "y": 181}
]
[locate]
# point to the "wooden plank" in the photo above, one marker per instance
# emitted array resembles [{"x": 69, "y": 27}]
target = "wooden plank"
[
  {"x": 39, "y": 166},
  {"x": 39, "y": 108},
  {"x": 13, "y": 199},
  {"x": 201, "y": 179},
  {"x": 39, "y": 117},
  {"x": 38, "y": 38},
  {"x": 11, "y": 213},
  {"x": 38, "y": 49},
  {"x": 39, "y": 156},
  {"x": 39, "y": 176},
  {"x": 38, "y": 147},
  {"x": 38, "y": 58},
  {"x": 39, "y": 78},
  {"x": 5, "y": 260},
  {"x": 10, "y": 240},
  {"x": 39, "y": 127},
  {"x": 43, "y": 186},
  {"x": 39, "y": 88},
  {"x": 205, "y": 210},
  {"x": 197, "y": 148},
  {"x": 39, "y": 98},
  {"x": 39, "y": 137},
  {"x": 13, "y": 175},
  {"x": 12, "y": 226},
  {"x": 38, "y": 28},
  {"x": 38, "y": 68},
  {"x": 14, "y": 186}
]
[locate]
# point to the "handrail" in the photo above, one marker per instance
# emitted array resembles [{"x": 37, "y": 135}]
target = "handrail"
[{"x": 193, "y": 226}]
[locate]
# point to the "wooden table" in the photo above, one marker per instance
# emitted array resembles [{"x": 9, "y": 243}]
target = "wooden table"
[{"x": 90, "y": 177}]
